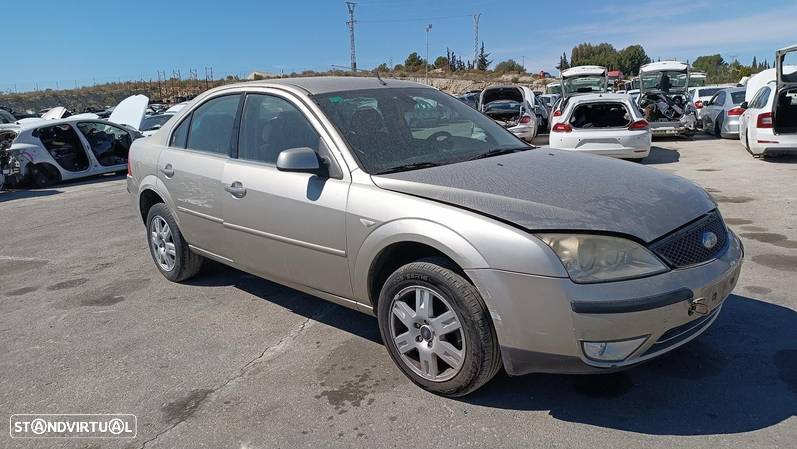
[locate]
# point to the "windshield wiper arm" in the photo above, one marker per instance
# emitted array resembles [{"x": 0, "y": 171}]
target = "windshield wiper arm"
[
  {"x": 498, "y": 152},
  {"x": 407, "y": 167}
]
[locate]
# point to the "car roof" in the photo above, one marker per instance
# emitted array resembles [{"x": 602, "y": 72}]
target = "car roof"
[
  {"x": 25, "y": 126},
  {"x": 325, "y": 84}
]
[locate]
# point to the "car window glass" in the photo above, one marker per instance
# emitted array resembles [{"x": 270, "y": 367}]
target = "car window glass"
[
  {"x": 63, "y": 144},
  {"x": 154, "y": 122},
  {"x": 719, "y": 99},
  {"x": 737, "y": 97},
  {"x": 109, "y": 143},
  {"x": 180, "y": 135},
  {"x": 392, "y": 128},
  {"x": 270, "y": 125},
  {"x": 212, "y": 124}
]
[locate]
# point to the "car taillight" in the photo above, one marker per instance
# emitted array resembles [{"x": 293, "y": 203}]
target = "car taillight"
[
  {"x": 557, "y": 113},
  {"x": 764, "y": 120},
  {"x": 736, "y": 111},
  {"x": 639, "y": 124},
  {"x": 562, "y": 128},
  {"x": 699, "y": 104},
  {"x": 525, "y": 119}
]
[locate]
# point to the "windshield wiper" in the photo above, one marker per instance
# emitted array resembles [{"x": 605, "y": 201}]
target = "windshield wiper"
[
  {"x": 498, "y": 152},
  {"x": 407, "y": 167}
]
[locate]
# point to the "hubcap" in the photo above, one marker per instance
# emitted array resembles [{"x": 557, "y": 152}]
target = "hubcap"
[
  {"x": 427, "y": 333},
  {"x": 162, "y": 244}
]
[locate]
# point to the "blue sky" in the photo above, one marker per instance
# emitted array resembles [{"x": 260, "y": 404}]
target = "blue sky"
[{"x": 60, "y": 44}]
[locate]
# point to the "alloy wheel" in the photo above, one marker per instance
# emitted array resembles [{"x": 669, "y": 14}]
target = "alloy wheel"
[
  {"x": 427, "y": 333},
  {"x": 162, "y": 243}
]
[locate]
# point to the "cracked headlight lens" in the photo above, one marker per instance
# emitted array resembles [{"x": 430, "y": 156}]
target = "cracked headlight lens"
[{"x": 599, "y": 258}]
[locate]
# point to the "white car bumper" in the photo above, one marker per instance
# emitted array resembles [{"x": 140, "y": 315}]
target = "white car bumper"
[{"x": 623, "y": 143}]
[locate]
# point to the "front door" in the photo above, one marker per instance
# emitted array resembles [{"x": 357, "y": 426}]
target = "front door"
[
  {"x": 285, "y": 226},
  {"x": 192, "y": 167}
]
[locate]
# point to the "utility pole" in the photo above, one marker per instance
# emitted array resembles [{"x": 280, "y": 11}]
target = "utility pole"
[
  {"x": 428, "y": 29},
  {"x": 350, "y": 23},
  {"x": 476, "y": 37}
]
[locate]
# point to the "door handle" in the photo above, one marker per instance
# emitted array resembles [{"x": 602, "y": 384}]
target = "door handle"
[
  {"x": 168, "y": 171},
  {"x": 236, "y": 189}
]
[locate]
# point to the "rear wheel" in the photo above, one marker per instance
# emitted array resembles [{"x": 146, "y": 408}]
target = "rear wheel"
[
  {"x": 168, "y": 249},
  {"x": 437, "y": 329},
  {"x": 44, "y": 176}
]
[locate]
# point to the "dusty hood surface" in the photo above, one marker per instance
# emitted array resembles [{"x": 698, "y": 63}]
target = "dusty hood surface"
[{"x": 558, "y": 190}]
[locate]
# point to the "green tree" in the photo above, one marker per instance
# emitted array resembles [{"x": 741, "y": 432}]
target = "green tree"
[
  {"x": 382, "y": 68},
  {"x": 602, "y": 54},
  {"x": 754, "y": 64},
  {"x": 441, "y": 62},
  {"x": 413, "y": 63},
  {"x": 563, "y": 64},
  {"x": 481, "y": 61},
  {"x": 631, "y": 58},
  {"x": 711, "y": 64},
  {"x": 508, "y": 66}
]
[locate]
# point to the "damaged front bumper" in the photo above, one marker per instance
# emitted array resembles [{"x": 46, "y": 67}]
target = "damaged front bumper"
[{"x": 554, "y": 325}]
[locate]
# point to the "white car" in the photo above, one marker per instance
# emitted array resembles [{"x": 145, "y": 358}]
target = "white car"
[
  {"x": 513, "y": 107},
  {"x": 768, "y": 125},
  {"x": 606, "y": 124},
  {"x": 45, "y": 152},
  {"x": 664, "y": 98},
  {"x": 699, "y": 96}
]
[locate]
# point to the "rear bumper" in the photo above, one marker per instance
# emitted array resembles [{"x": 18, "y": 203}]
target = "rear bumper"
[
  {"x": 730, "y": 129},
  {"x": 543, "y": 322},
  {"x": 619, "y": 144},
  {"x": 524, "y": 132}
]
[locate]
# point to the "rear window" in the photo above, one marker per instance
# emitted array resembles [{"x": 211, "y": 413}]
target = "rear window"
[
  {"x": 709, "y": 92},
  {"x": 737, "y": 97}
]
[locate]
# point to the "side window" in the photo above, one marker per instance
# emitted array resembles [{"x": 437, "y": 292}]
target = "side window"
[
  {"x": 763, "y": 97},
  {"x": 63, "y": 144},
  {"x": 109, "y": 144},
  {"x": 180, "y": 134},
  {"x": 719, "y": 99},
  {"x": 270, "y": 125},
  {"x": 212, "y": 124}
]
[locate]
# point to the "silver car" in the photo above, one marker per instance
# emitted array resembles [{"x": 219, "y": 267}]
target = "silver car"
[
  {"x": 472, "y": 249},
  {"x": 720, "y": 115}
]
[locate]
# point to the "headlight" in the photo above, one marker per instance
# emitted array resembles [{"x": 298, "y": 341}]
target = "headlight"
[{"x": 597, "y": 258}]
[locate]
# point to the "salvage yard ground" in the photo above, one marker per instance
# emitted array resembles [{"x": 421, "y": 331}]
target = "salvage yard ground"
[{"x": 228, "y": 360}]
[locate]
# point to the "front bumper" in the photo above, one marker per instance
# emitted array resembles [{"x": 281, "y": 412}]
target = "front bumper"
[{"x": 541, "y": 322}]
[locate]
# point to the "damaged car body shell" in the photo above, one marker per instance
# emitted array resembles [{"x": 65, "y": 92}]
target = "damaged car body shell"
[
  {"x": 664, "y": 98},
  {"x": 514, "y": 108}
]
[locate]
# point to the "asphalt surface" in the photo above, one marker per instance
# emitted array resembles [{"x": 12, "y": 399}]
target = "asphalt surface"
[{"x": 228, "y": 360}]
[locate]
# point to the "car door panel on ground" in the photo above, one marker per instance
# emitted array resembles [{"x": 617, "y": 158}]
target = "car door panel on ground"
[
  {"x": 192, "y": 166},
  {"x": 287, "y": 226}
]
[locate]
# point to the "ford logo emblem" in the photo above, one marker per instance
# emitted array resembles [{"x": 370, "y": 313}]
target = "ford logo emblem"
[{"x": 709, "y": 240}]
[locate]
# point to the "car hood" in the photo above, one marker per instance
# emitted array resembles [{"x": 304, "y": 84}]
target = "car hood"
[{"x": 559, "y": 190}]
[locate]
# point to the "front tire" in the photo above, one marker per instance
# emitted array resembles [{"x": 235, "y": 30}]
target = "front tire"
[
  {"x": 437, "y": 329},
  {"x": 170, "y": 252}
]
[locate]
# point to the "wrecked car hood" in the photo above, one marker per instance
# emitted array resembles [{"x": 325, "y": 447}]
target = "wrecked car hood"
[
  {"x": 558, "y": 190},
  {"x": 130, "y": 111}
]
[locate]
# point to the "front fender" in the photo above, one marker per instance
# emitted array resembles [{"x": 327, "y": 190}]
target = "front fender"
[{"x": 416, "y": 230}]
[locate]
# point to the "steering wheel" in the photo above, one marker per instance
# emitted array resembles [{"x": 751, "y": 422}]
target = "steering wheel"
[{"x": 441, "y": 137}]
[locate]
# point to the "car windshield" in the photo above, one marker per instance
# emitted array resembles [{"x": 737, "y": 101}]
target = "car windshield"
[
  {"x": 583, "y": 84},
  {"x": 154, "y": 121},
  {"x": 664, "y": 81},
  {"x": 400, "y": 129},
  {"x": 707, "y": 92}
]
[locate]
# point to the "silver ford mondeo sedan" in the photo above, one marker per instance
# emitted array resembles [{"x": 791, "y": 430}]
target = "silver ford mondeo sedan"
[{"x": 472, "y": 249}]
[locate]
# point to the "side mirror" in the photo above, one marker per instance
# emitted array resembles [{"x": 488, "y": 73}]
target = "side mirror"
[
  {"x": 744, "y": 105},
  {"x": 300, "y": 159}
]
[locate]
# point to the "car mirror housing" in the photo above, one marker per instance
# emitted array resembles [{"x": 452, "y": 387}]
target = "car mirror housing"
[
  {"x": 744, "y": 105},
  {"x": 302, "y": 159}
]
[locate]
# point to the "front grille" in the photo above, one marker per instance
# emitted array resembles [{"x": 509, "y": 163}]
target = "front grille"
[{"x": 684, "y": 247}]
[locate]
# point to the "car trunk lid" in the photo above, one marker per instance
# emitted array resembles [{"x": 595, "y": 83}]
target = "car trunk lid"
[{"x": 784, "y": 109}]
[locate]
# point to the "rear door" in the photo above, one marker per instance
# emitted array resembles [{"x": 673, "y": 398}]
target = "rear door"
[
  {"x": 287, "y": 226},
  {"x": 192, "y": 167}
]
